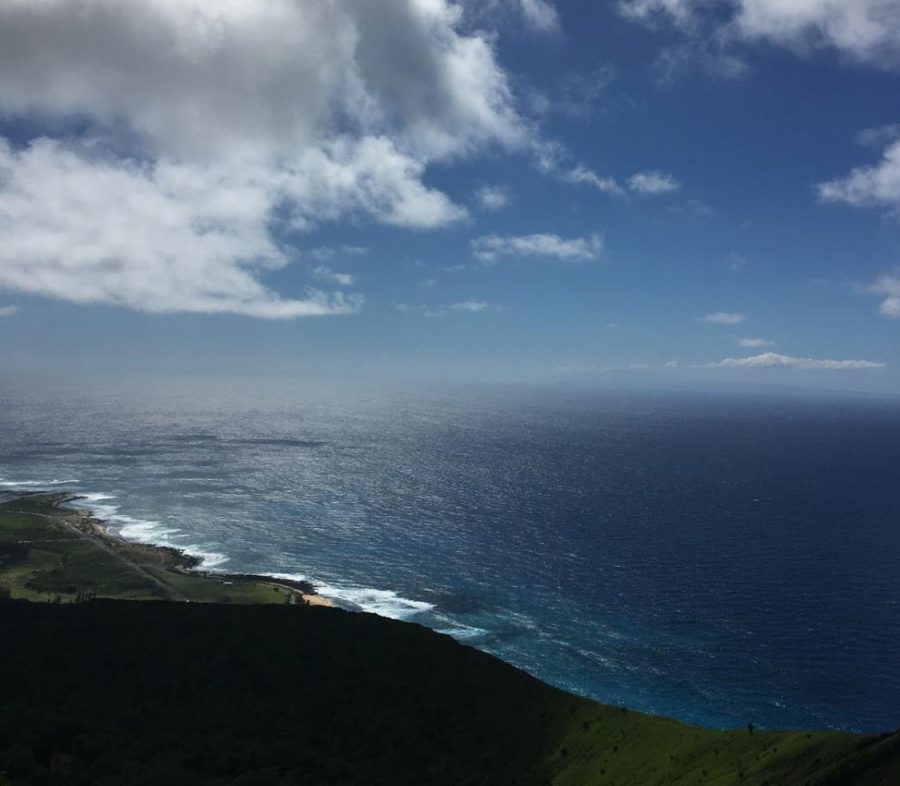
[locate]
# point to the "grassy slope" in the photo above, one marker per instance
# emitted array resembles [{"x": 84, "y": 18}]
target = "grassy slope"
[{"x": 139, "y": 693}]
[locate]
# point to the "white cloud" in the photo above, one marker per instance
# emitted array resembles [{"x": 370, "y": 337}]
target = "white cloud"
[
  {"x": 575, "y": 95},
  {"x": 877, "y": 185},
  {"x": 888, "y": 286},
  {"x": 8, "y": 311},
  {"x": 325, "y": 253},
  {"x": 736, "y": 261},
  {"x": 581, "y": 174},
  {"x": 724, "y": 318},
  {"x": 326, "y": 274},
  {"x": 866, "y": 30},
  {"x": 540, "y": 15},
  {"x": 162, "y": 238},
  {"x": 470, "y": 305},
  {"x": 466, "y": 306},
  {"x": 425, "y": 311},
  {"x": 212, "y": 123},
  {"x": 775, "y": 360},
  {"x": 879, "y": 136},
  {"x": 755, "y": 343},
  {"x": 652, "y": 183},
  {"x": 492, "y": 197},
  {"x": 582, "y": 249}
]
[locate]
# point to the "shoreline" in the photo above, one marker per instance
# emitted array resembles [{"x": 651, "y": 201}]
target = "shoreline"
[{"x": 88, "y": 525}]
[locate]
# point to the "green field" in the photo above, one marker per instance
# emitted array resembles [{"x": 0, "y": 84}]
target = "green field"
[
  {"x": 125, "y": 692},
  {"x": 48, "y": 553}
]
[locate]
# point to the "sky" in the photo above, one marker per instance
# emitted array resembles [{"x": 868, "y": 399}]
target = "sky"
[{"x": 572, "y": 193}]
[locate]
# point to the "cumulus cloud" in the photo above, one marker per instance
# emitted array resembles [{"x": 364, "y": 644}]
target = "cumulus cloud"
[
  {"x": 866, "y": 30},
  {"x": 876, "y": 185},
  {"x": 652, "y": 183},
  {"x": 775, "y": 360},
  {"x": 211, "y": 125},
  {"x": 724, "y": 318},
  {"x": 325, "y": 273},
  {"x": 492, "y": 197},
  {"x": 755, "y": 343},
  {"x": 8, "y": 311},
  {"x": 162, "y": 238},
  {"x": 582, "y": 249},
  {"x": 888, "y": 286}
]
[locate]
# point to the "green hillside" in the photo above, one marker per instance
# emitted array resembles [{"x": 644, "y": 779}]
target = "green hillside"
[{"x": 166, "y": 693}]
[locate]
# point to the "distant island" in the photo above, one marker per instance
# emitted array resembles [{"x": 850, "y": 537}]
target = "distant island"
[{"x": 254, "y": 682}]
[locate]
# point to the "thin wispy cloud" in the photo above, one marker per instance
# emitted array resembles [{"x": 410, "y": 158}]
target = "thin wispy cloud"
[
  {"x": 470, "y": 306},
  {"x": 473, "y": 306},
  {"x": 493, "y": 197},
  {"x": 864, "y": 30},
  {"x": 880, "y": 136},
  {"x": 736, "y": 261},
  {"x": 326, "y": 274},
  {"x": 724, "y": 318},
  {"x": 489, "y": 248},
  {"x": 326, "y": 253},
  {"x": 582, "y": 175},
  {"x": 755, "y": 343},
  {"x": 599, "y": 368},
  {"x": 8, "y": 311},
  {"x": 649, "y": 183}
]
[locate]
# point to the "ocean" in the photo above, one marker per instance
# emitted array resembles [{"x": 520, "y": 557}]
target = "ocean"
[{"x": 720, "y": 558}]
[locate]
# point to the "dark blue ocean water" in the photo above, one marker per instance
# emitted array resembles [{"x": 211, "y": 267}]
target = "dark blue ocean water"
[{"x": 718, "y": 558}]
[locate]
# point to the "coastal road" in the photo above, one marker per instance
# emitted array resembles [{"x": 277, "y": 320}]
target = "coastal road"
[{"x": 170, "y": 593}]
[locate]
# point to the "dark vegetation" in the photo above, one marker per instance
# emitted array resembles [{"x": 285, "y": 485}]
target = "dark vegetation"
[{"x": 102, "y": 692}]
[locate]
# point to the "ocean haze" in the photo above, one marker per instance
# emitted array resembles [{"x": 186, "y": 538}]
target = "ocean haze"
[{"x": 716, "y": 557}]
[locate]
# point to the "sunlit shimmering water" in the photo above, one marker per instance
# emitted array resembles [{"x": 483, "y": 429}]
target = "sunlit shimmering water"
[{"x": 720, "y": 559}]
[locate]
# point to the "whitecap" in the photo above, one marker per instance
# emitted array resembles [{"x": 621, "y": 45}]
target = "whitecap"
[
  {"x": 286, "y": 576},
  {"x": 145, "y": 531},
  {"x": 14, "y": 484},
  {"x": 385, "y": 603},
  {"x": 208, "y": 559}
]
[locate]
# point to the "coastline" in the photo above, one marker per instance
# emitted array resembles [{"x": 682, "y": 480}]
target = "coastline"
[
  {"x": 143, "y": 556},
  {"x": 94, "y": 527}
]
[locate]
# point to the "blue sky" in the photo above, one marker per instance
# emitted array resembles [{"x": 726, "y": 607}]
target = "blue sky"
[{"x": 648, "y": 192}]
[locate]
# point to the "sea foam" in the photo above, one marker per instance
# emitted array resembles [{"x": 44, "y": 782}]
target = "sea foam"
[{"x": 144, "y": 531}]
